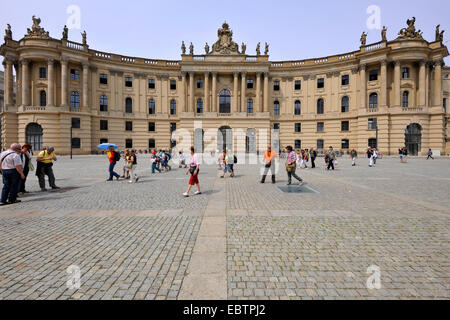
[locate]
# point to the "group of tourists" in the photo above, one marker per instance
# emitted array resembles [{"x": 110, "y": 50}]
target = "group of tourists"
[
  {"x": 372, "y": 155},
  {"x": 226, "y": 163},
  {"x": 15, "y": 165}
]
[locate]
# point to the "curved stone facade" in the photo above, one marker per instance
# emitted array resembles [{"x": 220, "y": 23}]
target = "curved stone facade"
[{"x": 60, "y": 83}]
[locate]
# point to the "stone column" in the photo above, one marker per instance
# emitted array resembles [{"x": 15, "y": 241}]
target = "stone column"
[
  {"x": 363, "y": 88},
  {"x": 191, "y": 92},
  {"x": 64, "y": 75},
  {"x": 50, "y": 83},
  {"x": 437, "y": 83},
  {"x": 85, "y": 85},
  {"x": 214, "y": 92},
  {"x": 383, "y": 89},
  {"x": 18, "y": 84},
  {"x": 243, "y": 93},
  {"x": 183, "y": 92},
  {"x": 397, "y": 75},
  {"x": 422, "y": 83},
  {"x": 206, "y": 99},
  {"x": 8, "y": 82},
  {"x": 235, "y": 93},
  {"x": 266, "y": 92},
  {"x": 258, "y": 93},
  {"x": 25, "y": 83}
]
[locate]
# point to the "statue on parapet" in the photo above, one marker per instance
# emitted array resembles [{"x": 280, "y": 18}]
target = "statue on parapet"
[
  {"x": 439, "y": 34},
  {"x": 266, "y": 49},
  {"x": 207, "y": 48},
  {"x": 36, "y": 30},
  {"x": 244, "y": 48},
  {"x": 191, "y": 49},
  {"x": 84, "y": 36},
  {"x": 8, "y": 32},
  {"x": 410, "y": 32},
  {"x": 65, "y": 33},
  {"x": 258, "y": 49},
  {"x": 183, "y": 48},
  {"x": 383, "y": 34},
  {"x": 363, "y": 39}
]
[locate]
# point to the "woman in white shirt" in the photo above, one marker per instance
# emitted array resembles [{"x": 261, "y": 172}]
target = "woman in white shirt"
[{"x": 194, "y": 167}]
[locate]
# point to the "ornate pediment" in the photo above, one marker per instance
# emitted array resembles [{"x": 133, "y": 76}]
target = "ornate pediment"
[
  {"x": 410, "y": 32},
  {"x": 225, "y": 43},
  {"x": 36, "y": 30}
]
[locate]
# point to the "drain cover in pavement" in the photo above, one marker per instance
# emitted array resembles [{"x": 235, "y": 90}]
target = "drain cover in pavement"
[{"x": 296, "y": 189}]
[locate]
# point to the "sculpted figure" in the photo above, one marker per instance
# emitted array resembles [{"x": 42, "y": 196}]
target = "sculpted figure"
[
  {"x": 244, "y": 48},
  {"x": 8, "y": 32},
  {"x": 383, "y": 34},
  {"x": 65, "y": 33},
  {"x": 191, "y": 49},
  {"x": 183, "y": 47},
  {"x": 266, "y": 49},
  {"x": 258, "y": 49},
  {"x": 363, "y": 39},
  {"x": 207, "y": 48},
  {"x": 84, "y": 36}
]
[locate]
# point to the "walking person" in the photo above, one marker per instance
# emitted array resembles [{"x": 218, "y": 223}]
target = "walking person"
[
  {"x": 113, "y": 157},
  {"x": 400, "y": 154},
  {"x": 12, "y": 172},
  {"x": 404, "y": 153},
  {"x": 330, "y": 156},
  {"x": 194, "y": 168},
  {"x": 182, "y": 160},
  {"x": 126, "y": 172},
  {"x": 370, "y": 156},
  {"x": 132, "y": 161},
  {"x": 375, "y": 156},
  {"x": 231, "y": 161},
  {"x": 353, "y": 156},
  {"x": 313, "y": 157},
  {"x": 224, "y": 164},
  {"x": 430, "y": 154},
  {"x": 155, "y": 161},
  {"x": 291, "y": 165},
  {"x": 26, "y": 156},
  {"x": 269, "y": 160},
  {"x": 45, "y": 168}
]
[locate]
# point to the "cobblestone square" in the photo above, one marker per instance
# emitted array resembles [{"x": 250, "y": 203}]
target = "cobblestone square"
[{"x": 238, "y": 240}]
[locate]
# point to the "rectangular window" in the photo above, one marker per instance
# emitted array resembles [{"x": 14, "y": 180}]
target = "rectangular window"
[
  {"x": 103, "y": 103},
  {"x": 151, "y": 127},
  {"x": 345, "y": 144},
  {"x": 372, "y": 123},
  {"x": 173, "y": 127},
  {"x": 372, "y": 142},
  {"x": 319, "y": 144},
  {"x": 345, "y": 80},
  {"x": 128, "y": 125},
  {"x": 276, "y": 126},
  {"x": 173, "y": 85},
  {"x": 128, "y": 82},
  {"x": 298, "y": 127},
  {"x": 129, "y": 143},
  {"x": 103, "y": 124},
  {"x": 76, "y": 123},
  {"x": 151, "y": 84},
  {"x": 104, "y": 140},
  {"x": 151, "y": 144},
  {"x": 298, "y": 144},
  {"x": 276, "y": 86},
  {"x": 298, "y": 85},
  {"x": 42, "y": 73},
  {"x": 320, "y": 126},
  {"x": 103, "y": 79},
  {"x": 320, "y": 83},
  {"x": 250, "y": 84},
  {"x": 76, "y": 143},
  {"x": 199, "y": 84},
  {"x": 345, "y": 126},
  {"x": 405, "y": 73},
  {"x": 74, "y": 74},
  {"x": 373, "y": 75}
]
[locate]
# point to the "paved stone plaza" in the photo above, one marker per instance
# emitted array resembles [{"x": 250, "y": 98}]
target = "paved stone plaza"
[{"x": 238, "y": 240}]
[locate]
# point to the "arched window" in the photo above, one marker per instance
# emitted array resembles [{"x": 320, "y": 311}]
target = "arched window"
[
  {"x": 405, "y": 73},
  {"x": 276, "y": 108},
  {"x": 75, "y": 99},
  {"x": 43, "y": 98},
  {"x": 297, "y": 108},
  {"x": 151, "y": 106},
  {"x": 33, "y": 136},
  {"x": 250, "y": 106},
  {"x": 200, "y": 106},
  {"x": 345, "y": 101},
  {"x": 173, "y": 107},
  {"x": 320, "y": 106},
  {"x": 128, "y": 105},
  {"x": 405, "y": 99},
  {"x": 224, "y": 101},
  {"x": 103, "y": 103},
  {"x": 373, "y": 101}
]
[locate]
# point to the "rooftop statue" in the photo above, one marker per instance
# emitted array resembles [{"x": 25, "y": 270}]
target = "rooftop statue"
[
  {"x": 266, "y": 50},
  {"x": 439, "y": 34},
  {"x": 383, "y": 34},
  {"x": 84, "y": 36},
  {"x": 8, "y": 32},
  {"x": 183, "y": 48},
  {"x": 363, "y": 39},
  {"x": 191, "y": 49},
  {"x": 36, "y": 30},
  {"x": 243, "y": 48},
  {"x": 65, "y": 33},
  {"x": 207, "y": 48},
  {"x": 258, "y": 49},
  {"x": 225, "y": 43},
  {"x": 410, "y": 32}
]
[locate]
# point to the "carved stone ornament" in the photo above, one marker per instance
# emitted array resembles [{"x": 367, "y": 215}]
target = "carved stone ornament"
[
  {"x": 410, "y": 32},
  {"x": 36, "y": 30},
  {"x": 225, "y": 43}
]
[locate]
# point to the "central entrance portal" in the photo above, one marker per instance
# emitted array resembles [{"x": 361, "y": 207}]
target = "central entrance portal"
[{"x": 224, "y": 139}]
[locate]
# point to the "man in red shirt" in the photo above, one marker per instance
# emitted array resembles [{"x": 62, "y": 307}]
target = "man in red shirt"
[{"x": 112, "y": 162}]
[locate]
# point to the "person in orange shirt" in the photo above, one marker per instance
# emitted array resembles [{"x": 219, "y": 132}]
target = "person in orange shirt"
[{"x": 269, "y": 159}]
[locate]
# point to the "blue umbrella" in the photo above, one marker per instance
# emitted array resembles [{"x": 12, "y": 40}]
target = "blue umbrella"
[{"x": 105, "y": 146}]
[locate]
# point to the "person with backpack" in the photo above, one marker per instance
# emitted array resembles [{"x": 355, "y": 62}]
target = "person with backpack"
[
  {"x": 225, "y": 160},
  {"x": 232, "y": 159},
  {"x": 113, "y": 157},
  {"x": 194, "y": 168},
  {"x": 132, "y": 164}
]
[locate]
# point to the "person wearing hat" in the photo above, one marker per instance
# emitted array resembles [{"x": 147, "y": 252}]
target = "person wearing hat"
[
  {"x": 12, "y": 172},
  {"x": 44, "y": 168}
]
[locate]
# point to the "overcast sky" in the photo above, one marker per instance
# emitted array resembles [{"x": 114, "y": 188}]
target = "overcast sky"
[{"x": 295, "y": 29}]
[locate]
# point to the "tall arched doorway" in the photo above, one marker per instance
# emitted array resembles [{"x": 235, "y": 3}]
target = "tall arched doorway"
[
  {"x": 199, "y": 144},
  {"x": 250, "y": 141},
  {"x": 33, "y": 136},
  {"x": 413, "y": 138},
  {"x": 224, "y": 139}
]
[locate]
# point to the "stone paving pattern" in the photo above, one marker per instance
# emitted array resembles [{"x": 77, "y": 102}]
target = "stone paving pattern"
[{"x": 145, "y": 241}]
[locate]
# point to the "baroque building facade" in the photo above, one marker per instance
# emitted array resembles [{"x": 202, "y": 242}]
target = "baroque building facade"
[{"x": 387, "y": 95}]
